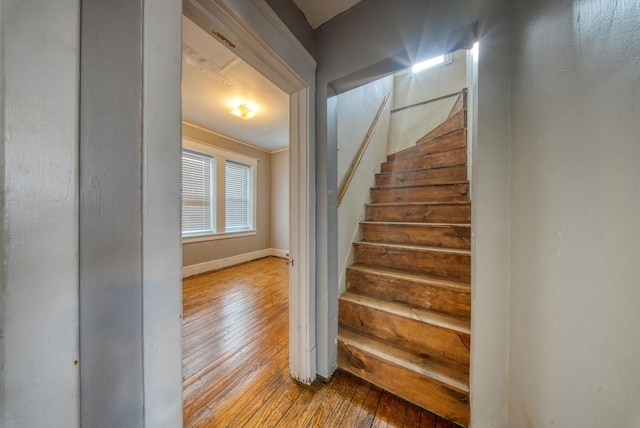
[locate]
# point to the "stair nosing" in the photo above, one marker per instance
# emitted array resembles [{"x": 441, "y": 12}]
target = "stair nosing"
[
  {"x": 418, "y": 368},
  {"x": 416, "y": 247},
  {"x": 427, "y": 316},
  {"x": 425, "y": 279}
]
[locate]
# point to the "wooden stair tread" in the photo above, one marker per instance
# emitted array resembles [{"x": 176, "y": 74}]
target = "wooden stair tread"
[
  {"x": 442, "y": 168},
  {"x": 376, "y": 204},
  {"x": 449, "y": 322},
  {"x": 419, "y": 186},
  {"x": 402, "y": 171},
  {"x": 417, "y": 224},
  {"x": 415, "y": 247},
  {"x": 451, "y": 375},
  {"x": 393, "y": 273},
  {"x": 448, "y": 158}
]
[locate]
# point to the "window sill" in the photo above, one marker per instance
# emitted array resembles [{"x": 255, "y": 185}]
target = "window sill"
[{"x": 215, "y": 237}]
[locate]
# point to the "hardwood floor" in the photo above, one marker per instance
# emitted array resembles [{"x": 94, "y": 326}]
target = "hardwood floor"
[{"x": 235, "y": 361}]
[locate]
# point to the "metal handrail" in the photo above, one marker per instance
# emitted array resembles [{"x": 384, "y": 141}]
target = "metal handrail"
[
  {"x": 444, "y": 97},
  {"x": 363, "y": 148}
]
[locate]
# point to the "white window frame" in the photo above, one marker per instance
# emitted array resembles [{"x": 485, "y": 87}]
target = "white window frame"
[{"x": 221, "y": 156}]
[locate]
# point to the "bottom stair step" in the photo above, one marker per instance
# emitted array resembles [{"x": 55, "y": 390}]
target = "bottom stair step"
[{"x": 434, "y": 385}]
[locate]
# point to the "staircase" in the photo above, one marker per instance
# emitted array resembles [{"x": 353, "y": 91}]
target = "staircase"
[{"x": 404, "y": 321}]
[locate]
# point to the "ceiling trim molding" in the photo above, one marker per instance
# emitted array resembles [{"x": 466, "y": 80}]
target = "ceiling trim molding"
[{"x": 235, "y": 140}]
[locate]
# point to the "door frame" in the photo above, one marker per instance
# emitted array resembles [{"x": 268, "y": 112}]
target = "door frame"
[{"x": 257, "y": 35}]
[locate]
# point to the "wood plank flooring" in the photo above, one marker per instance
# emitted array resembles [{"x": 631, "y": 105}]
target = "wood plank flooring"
[{"x": 235, "y": 361}]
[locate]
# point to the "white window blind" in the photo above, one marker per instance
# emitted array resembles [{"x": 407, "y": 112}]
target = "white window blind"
[
  {"x": 238, "y": 197},
  {"x": 198, "y": 202}
]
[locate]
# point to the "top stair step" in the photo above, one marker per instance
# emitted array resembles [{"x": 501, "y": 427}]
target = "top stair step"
[
  {"x": 453, "y": 123},
  {"x": 460, "y": 104},
  {"x": 453, "y": 140}
]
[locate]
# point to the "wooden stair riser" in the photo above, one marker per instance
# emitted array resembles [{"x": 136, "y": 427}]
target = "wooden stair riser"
[
  {"x": 414, "y": 335},
  {"x": 453, "y": 123},
  {"x": 435, "y": 192},
  {"x": 453, "y": 266},
  {"x": 435, "y": 160},
  {"x": 453, "y": 140},
  {"x": 413, "y": 387},
  {"x": 431, "y": 235},
  {"x": 420, "y": 294},
  {"x": 422, "y": 177},
  {"x": 426, "y": 213}
]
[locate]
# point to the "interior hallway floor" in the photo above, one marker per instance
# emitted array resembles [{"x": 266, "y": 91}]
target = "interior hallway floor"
[{"x": 235, "y": 361}]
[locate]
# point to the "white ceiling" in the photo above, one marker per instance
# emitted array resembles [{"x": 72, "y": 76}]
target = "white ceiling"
[
  {"x": 213, "y": 78},
  {"x": 320, "y": 11}
]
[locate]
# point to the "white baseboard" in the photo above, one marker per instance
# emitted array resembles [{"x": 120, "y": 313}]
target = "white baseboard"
[
  {"x": 230, "y": 261},
  {"x": 283, "y": 254}
]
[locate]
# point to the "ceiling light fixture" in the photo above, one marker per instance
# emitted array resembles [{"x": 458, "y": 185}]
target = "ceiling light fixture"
[{"x": 244, "y": 111}]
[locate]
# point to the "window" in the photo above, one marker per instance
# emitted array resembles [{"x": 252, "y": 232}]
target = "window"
[
  {"x": 198, "y": 184},
  {"x": 218, "y": 198},
  {"x": 238, "y": 199},
  {"x": 430, "y": 63}
]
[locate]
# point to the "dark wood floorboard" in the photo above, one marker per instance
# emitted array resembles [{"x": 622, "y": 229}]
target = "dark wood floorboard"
[{"x": 236, "y": 356}]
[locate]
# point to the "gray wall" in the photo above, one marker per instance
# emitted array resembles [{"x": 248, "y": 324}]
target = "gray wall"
[
  {"x": 373, "y": 39},
  {"x": 201, "y": 252},
  {"x": 575, "y": 276},
  {"x": 39, "y": 136},
  {"x": 295, "y": 20},
  {"x": 99, "y": 192},
  {"x": 280, "y": 200}
]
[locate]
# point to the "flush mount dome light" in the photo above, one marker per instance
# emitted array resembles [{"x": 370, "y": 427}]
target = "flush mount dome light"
[{"x": 244, "y": 111}]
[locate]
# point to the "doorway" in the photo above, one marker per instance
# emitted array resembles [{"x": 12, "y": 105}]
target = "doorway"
[{"x": 236, "y": 30}]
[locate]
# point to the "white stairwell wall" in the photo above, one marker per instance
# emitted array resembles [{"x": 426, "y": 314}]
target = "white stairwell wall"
[
  {"x": 407, "y": 126},
  {"x": 356, "y": 111}
]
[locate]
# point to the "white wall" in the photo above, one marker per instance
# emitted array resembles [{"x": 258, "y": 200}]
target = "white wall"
[
  {"x": 39, "y": 375},
  {"x": 280, "y": 200},
  {"x": 408, "y": 126},
  {"x": 356, "y": 111},
  {"x": 575, "y": 198}
]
